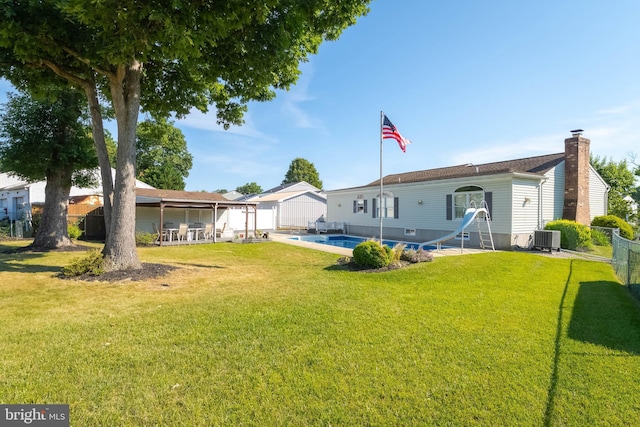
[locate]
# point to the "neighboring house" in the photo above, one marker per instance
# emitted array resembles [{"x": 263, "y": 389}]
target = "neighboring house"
[
  {"x": 233, "y": 195},
  {"x": 18, "y": 197},
  {"x": 522, "y": 196},
  {"x": 290, "y": 206}
]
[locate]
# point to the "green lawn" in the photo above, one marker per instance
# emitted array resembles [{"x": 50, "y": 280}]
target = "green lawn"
[{"x": 271, "y": 334}]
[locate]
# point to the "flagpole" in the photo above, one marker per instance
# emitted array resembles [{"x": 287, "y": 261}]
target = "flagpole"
[{"x": 381, "y": 196}]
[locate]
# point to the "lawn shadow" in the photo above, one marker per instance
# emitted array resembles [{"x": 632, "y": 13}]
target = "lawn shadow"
[
  {"x": 17, "y": 265},
  {"x": 604, "y": 315},
  {"x": 191, "y": 264}
]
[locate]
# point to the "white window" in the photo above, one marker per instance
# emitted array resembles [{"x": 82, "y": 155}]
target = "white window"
[
  {"x": 464, "y": 197},
  {"x": 385, "y": 207},
  {"x": 360, "y": 204}
]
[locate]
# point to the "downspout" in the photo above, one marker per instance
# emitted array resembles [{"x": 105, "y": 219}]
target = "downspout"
[{"x": 541, "y": 204}]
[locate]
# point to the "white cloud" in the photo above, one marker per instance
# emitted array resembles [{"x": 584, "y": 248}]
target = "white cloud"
[{"x": 292, "y": 99}]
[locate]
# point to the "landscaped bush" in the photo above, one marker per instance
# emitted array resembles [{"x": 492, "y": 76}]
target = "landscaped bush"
[
  {"x": 612, "y": 221},
  {"x": 91, "y": 264},
  {"x": 74, "y": 231},
  {"x": 599, "y": 238},
  {"x": 573, "y": 235},
  {"x": 414, "y": 256},
  {"x": 372, "y": 254},
  {"x": 144, "y": 239}
]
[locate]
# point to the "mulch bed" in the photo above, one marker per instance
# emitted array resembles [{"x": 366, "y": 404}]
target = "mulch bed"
[{"x": 148, "y": 271}]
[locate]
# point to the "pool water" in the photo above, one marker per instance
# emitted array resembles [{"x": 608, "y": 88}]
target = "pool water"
[{"x": 351, "y": 242}]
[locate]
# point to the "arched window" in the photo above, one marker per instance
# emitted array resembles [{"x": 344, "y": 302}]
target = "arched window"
[
  {"x": 463, "y": 197},
  {"x": 360, "y": 204},
  {"x": 387, "y": 206}
]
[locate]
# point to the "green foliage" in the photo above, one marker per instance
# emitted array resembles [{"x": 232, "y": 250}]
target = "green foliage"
[
  {"x": 302, "y": 170},
  {"x": 144, "y": 239},
  {"x": 396, "y": 252},
  {"x": 612, "y": 221},
  {"x": 74, "y": 231},
  {"x": 91, "y": 264},
  {"x": 599, "y": 238},
  {"x": 249, "y": 188},
  {"x": 372, "y": 254},
  {"x": 620, "y": 178},
  {"x": 165, "y": 59},
  {"x": 573, "y": 235},
  {"x": 162, "y": 158},
  {"x": 51, "y": 130}
]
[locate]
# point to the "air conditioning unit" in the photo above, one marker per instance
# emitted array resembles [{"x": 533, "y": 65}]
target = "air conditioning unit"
[{"x": 546, "y": 239}]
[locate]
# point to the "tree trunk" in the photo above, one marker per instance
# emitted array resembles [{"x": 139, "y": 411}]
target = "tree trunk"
[
  {"x": 52, "y": 233},
  {"x": 101, "y": 150},
  {"x": 120, "y": 248}
]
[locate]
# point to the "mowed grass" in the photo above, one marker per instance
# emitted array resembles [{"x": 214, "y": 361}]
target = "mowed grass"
[{"x": 271, "y": 334}]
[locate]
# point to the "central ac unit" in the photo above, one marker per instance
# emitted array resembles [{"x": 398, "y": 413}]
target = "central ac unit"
[{"x": 546, "y": 239}]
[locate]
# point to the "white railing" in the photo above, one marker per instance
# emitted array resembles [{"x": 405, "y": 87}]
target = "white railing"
[{"x": 325, "y": 226}]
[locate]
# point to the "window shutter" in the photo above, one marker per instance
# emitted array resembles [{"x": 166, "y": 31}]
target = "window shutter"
[
  {"x": 355, "y": 206},
  {"x": 449, "y": 207},
  {"x": 365, "y": 206},
  {"x": 373, "y": 207},
  {"x": 488, "y": 197},
  {"x": 396, "y": 207}
]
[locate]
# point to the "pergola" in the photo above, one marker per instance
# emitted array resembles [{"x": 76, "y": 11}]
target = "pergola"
[{"x": 191, "y": 200}]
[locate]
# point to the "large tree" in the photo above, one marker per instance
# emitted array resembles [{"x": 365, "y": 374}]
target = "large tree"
[
  {"x": 249, "y": 188},
  {"x": 164, "y": 56},
  {"x": 48, "y": 140},
  {"x": 621, "y": 182},
  {"x": 302, "y": 170},
  {"x": 162, "y": 158}
]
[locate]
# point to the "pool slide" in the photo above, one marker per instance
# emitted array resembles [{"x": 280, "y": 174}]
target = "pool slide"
[{"x": 469, "y": 215}]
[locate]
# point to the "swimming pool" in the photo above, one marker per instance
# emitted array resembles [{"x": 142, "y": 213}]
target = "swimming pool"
[{"x": 351, "y": 242}]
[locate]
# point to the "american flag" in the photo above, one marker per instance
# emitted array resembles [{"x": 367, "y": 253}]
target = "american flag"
[{"x": 389, "y": 131}]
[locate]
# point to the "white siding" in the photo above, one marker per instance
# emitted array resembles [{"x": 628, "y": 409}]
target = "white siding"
[
  {"x": 525, "y": 206},
  {"x": 597, "y": 194},
  {"x": 553, "y": 194},
  {"x": 299, "y": 210},
  {"x": 431, "y": 214}
]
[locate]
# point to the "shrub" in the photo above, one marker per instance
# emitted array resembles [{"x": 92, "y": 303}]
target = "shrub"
[
  {"x": 144, "y": 238},
  {"x": 372, "y": 254},
  {"x": 414, "y": 256},
  {"x": 612, "y": 221},
  {"x": 91, "y": 264},
  {"x": 573, "y": 235},
  {"x": 396, "y": 252},
  {"x": 599, "y": 238},
  {"x": 74, "y": 231}
]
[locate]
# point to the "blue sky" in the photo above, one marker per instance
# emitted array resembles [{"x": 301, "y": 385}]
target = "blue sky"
[{"x": 465, "y": 81}]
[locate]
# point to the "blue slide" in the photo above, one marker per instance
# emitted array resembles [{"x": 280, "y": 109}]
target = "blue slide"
[{"x": 469, "y": 215}]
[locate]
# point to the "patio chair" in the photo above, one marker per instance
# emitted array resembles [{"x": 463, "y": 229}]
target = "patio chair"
[
  {"x": 182, "y": 233},
  {"x": 164, "y": 235},
  {"x": 207, "y": 233}
]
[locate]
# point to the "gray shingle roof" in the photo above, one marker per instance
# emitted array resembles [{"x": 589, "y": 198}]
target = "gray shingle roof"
[{"x": 533, "y": 165}]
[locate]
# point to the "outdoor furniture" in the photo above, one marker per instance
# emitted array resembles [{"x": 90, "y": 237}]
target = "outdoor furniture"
[
  {"x": 164, "y": 236},
  {"x": 207, "y": 233},
  {"x": 182, "y": 233}
]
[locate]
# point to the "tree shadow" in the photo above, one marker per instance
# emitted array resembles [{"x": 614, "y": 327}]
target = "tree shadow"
[
  {"x": 604, "y": 315},
  {"x": 15, "y": 263}
]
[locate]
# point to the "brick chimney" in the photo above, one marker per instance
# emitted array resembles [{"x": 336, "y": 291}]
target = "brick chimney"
[{"x": 576, "y": 178}]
